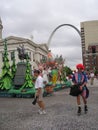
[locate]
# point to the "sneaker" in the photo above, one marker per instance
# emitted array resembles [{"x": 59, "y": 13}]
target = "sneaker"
[
  {"x": 85, "y": 109},
  {"x": 40, "y": 112},
  {"x": 79, "y": 111},
  {"x": 44, "y": 112}
]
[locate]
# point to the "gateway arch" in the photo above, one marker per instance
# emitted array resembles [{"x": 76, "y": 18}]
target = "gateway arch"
[{"x": 50, "y": 38}]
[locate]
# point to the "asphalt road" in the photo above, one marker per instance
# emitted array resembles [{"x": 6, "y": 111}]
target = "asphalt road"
[{"x": 20, "y": 114}]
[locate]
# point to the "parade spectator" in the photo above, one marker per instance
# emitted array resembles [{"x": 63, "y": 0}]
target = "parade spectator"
[
  {"x": 79, "y": 78},
  {"x": 39, "y": 91},
  {"x": 45, "y": 75},
  {"x": 49, "y": 74},
  {"x": 92, "y": 78}
]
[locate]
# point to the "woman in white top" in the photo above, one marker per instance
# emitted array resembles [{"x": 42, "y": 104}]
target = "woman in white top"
[{"x": 45, "y": 75}]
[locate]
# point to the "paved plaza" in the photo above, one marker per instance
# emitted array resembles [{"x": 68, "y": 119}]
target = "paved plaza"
[{"x": 20, "y": 114}]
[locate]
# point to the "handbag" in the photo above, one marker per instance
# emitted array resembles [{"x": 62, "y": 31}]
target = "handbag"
[
  {"x": 87, "y": 92},
  {"x": 34, "y": 100},
  {"x": 75, "y": 90}
]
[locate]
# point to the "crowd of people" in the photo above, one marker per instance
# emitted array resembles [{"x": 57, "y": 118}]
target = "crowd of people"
[{"x": 79, "y": 78}]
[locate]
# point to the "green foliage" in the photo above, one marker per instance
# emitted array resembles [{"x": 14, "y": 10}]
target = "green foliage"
[
  {"x": 6, "y": 83},
  {"x": 28, "y": 79},
  {"x": 13, "y": 67},
  {"x": 63, "y": 76},
  {"x": 96, "y": 72},
  {"x": 6, "y": 76},
  {"x": 67, "y": 70}
]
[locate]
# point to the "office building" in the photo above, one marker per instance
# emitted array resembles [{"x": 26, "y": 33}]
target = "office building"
[{"x": 89, "y": 39}]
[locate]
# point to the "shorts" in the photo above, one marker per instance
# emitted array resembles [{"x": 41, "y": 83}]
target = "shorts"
[{"x": 40, "y": 97}]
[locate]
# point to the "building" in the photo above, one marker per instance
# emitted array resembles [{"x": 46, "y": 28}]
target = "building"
[
  {"x": 89, "y": 39},
  {"x": 35, "y": 51}
]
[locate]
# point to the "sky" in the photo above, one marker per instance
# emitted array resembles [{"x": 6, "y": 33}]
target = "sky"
[{"x": 37, "y": 19}]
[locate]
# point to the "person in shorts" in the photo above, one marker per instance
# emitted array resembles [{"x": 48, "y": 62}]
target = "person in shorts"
[
  {"x": 79, "y": 78},
  {"x": 39, "y": 91}
]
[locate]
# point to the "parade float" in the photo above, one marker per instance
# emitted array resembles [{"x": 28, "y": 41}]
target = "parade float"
[
  {"x": 56, "y": 72},
  {"x": 16, "y": 80},
  {"x": 6, "y": 75}
]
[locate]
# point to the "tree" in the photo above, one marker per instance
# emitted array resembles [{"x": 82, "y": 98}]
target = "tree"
[
  {"x": 96, "y": 72},
  {"x": 13, "y": 67},
  {"x": 28, "y": 79},
  {"x": 6, "y": 76},
  {"x": 67, "y": 70}
]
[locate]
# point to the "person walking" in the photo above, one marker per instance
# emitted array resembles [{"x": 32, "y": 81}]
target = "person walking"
[
  {"x": 92, "y": 78},
  {"x": 39, "y": 91},
  {"x": 79, "y": 78},
  {"x": 45, "y": 75}
]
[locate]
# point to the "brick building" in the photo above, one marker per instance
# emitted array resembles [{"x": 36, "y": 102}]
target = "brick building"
[{"x": 89, "y": 39}]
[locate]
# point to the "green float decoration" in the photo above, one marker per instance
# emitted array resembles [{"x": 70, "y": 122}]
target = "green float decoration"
[
  {"x": 6, "y": 76},
  {"x": 28, "y": 78},
  {"x": 13, "y": 67}
]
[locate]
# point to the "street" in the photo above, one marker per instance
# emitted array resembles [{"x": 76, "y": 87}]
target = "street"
[{"x": 61, "y": 108}]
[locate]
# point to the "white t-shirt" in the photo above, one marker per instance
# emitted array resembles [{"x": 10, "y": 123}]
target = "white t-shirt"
[
  {"x": 39, "y": 82},
  {"x": 45, "y": 77},
  {"x": 92, "y": 75}
]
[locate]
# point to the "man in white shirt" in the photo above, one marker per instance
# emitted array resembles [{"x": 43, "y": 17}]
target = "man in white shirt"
[{"x": 39, "y": 91}]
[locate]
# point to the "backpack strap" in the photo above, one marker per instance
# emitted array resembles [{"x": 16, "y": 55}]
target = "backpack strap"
[{"x": 76, "y": 78}]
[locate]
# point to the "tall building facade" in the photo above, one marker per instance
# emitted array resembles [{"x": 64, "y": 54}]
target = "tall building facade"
[
  {"x": 89, "y": 39},
  {"x": 1, "y": 27},
  {"x": 36, "y": 51}
]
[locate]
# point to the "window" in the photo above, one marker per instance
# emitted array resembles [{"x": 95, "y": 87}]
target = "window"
[
  {"x": 29, "y": 54},
  {"x": 33, "y": 55},
  {"x": 12, "y": 55},
  {"x": 93, "y": 49}
]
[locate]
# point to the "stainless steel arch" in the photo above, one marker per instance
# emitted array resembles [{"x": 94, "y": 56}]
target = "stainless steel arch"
[{"x": 49, "y": 40}]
